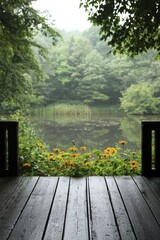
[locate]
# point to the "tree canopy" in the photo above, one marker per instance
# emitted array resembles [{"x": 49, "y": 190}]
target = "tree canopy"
[
  {"x": 19, "y": 22},
  {"x": 79, "y": 71},
  {"x": 131, "y": 27}
]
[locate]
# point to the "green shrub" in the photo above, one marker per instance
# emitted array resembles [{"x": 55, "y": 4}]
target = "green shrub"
[{"x": 140, "y": 99}]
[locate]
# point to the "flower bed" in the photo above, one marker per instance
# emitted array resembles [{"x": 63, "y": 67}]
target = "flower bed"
[
  {"x": 35, "y": 159},
  {"x": 78, "y": 162}
]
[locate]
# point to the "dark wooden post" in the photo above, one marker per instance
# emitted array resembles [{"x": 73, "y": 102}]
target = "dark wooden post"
[
  {"x": 151, "y": 148},
  {"x": 8, "y": 148},
  {"x": 157, "y": 150},
  {"x": 146, "y": 150}
]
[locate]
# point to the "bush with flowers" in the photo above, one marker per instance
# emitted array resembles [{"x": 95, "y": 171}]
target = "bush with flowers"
[{"x": 35, "y": 159}]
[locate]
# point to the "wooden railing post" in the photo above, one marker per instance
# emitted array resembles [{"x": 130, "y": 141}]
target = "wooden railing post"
[
  {"x": 151, "y": 148},
  {"x": 8, "y": 148}
]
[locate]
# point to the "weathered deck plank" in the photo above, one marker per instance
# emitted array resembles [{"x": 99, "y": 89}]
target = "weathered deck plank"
[
  {"x": 55, "y": 226},
  {"x": 103, "y": 221},
  {"x": 91, "y": 208},
  {"x": 141, "y": 216},
  {"x": 149, "y": 196},
  {"x": 32, "y": 221},
  {"x": 122, "y": 219},
  {"x": 11, "y": 211},
  {"x": 7, "y": 187},
  {"x": 76, "y": 223},
  {"x": 154, "y": 184}
]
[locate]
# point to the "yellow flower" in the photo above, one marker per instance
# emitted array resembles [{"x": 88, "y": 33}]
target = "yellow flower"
[
  {"x": 134, "y": 164},
  {"x": 62, "y": 152},
  {"x": 41, "y": 145},
  {"x": 110, "y": 150},
  {"x": 51, "y": 158},
  {"x": 71, "y": 164},
  {"x": 83, "y": 148},
  {"x": 113, "y": 150},
  {"x": 26, "y": 165},
  {"x": 73, "y": 149},
  {"x": 75, "y": 155},
  {"x": 107, "y": 150},
  {"x": 122, "y": 142},
  {"x": 51, "y": 153},
  {"x": 87, "y": 164},
  {"x": 104, "y": 155},
  {"x": 56, "y": 150}
]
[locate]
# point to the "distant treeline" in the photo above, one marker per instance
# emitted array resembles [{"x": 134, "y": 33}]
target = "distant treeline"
[{"x": 80, "y": 68}]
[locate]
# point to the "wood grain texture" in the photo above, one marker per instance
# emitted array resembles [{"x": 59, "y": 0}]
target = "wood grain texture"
[
  {"x": 14, "y": 206},
  {"x": 32, "y": 221},
  {"x": 122, "y": 219},
  {"x": 141, "y": 216},
  {"x": 7, "y": 187},
  {"x": 56, "y": 221},
  {"x": 103, "y": 221},
  {"x": 76, "y": 222},
  {"x": 87, "y": 208},
  {"x": 149, "y": 196}
]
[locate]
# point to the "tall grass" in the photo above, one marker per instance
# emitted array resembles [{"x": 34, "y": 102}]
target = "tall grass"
[
  {"x": 71, "y": 109},
  {"x": 65, "y": 109},
  {"x": 64, "y": 113},
  {"x": 79, "y": 110},
  {"x": 73, "y": 112},
  {"x": 108, "y": 110}
]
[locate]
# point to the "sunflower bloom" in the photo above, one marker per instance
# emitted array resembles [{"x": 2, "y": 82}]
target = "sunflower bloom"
[
  {"x": 83, "y": 148},
  {"x": 87, "y": 164},
  {"x": 113, "y": 150},
  {"x": 26, "y": 165},
  {"x": 71, "y": 164},
  {"x": 62, "y": 152},
  {"x": 41, "y": 146},
  {"x": 73, "y": 149},
  {"x": 105, "y": 155},
  {"x": 134, "y": 164},
  {"x": 122, "y": 142},
  {"x": 57, "y": 150},
  {"x": 51, "y": 158},
  {"x": 110, "y": 150},
  {"x": 75, "y": 155}
]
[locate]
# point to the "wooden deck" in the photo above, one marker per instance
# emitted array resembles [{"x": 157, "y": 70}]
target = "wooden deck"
[{"x": 93, "y": 208}]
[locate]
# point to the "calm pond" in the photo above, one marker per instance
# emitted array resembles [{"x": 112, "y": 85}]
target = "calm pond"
[{"x": 93, "y": 127}]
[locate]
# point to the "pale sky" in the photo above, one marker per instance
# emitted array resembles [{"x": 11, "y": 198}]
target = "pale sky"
[{"x": 66, "y": 13}]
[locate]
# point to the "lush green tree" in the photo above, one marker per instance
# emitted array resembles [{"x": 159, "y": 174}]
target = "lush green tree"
[
  {"x": 140, "y": 99},
  {"x": 19, "y": 22},
  {"x": 79, "y": 48},
  {"x": 79, "y": 69},
  {"x": 130, "y": 26},
  {"x": 58, "y": 72},
  {"x": 92, "y": 86},
  {"x": 93, "y": 35}
]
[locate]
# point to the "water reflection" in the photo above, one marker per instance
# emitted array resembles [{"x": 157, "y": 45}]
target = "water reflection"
[{"x": 98, "y": 129}]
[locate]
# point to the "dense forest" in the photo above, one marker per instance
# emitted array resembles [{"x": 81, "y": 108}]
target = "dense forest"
[
  {"x": 82, "y": 69},
  {"x": 41, "y": 65}
]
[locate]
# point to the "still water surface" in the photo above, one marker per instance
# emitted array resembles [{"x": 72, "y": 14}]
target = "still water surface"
[{"x": 101, "y": 127}]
